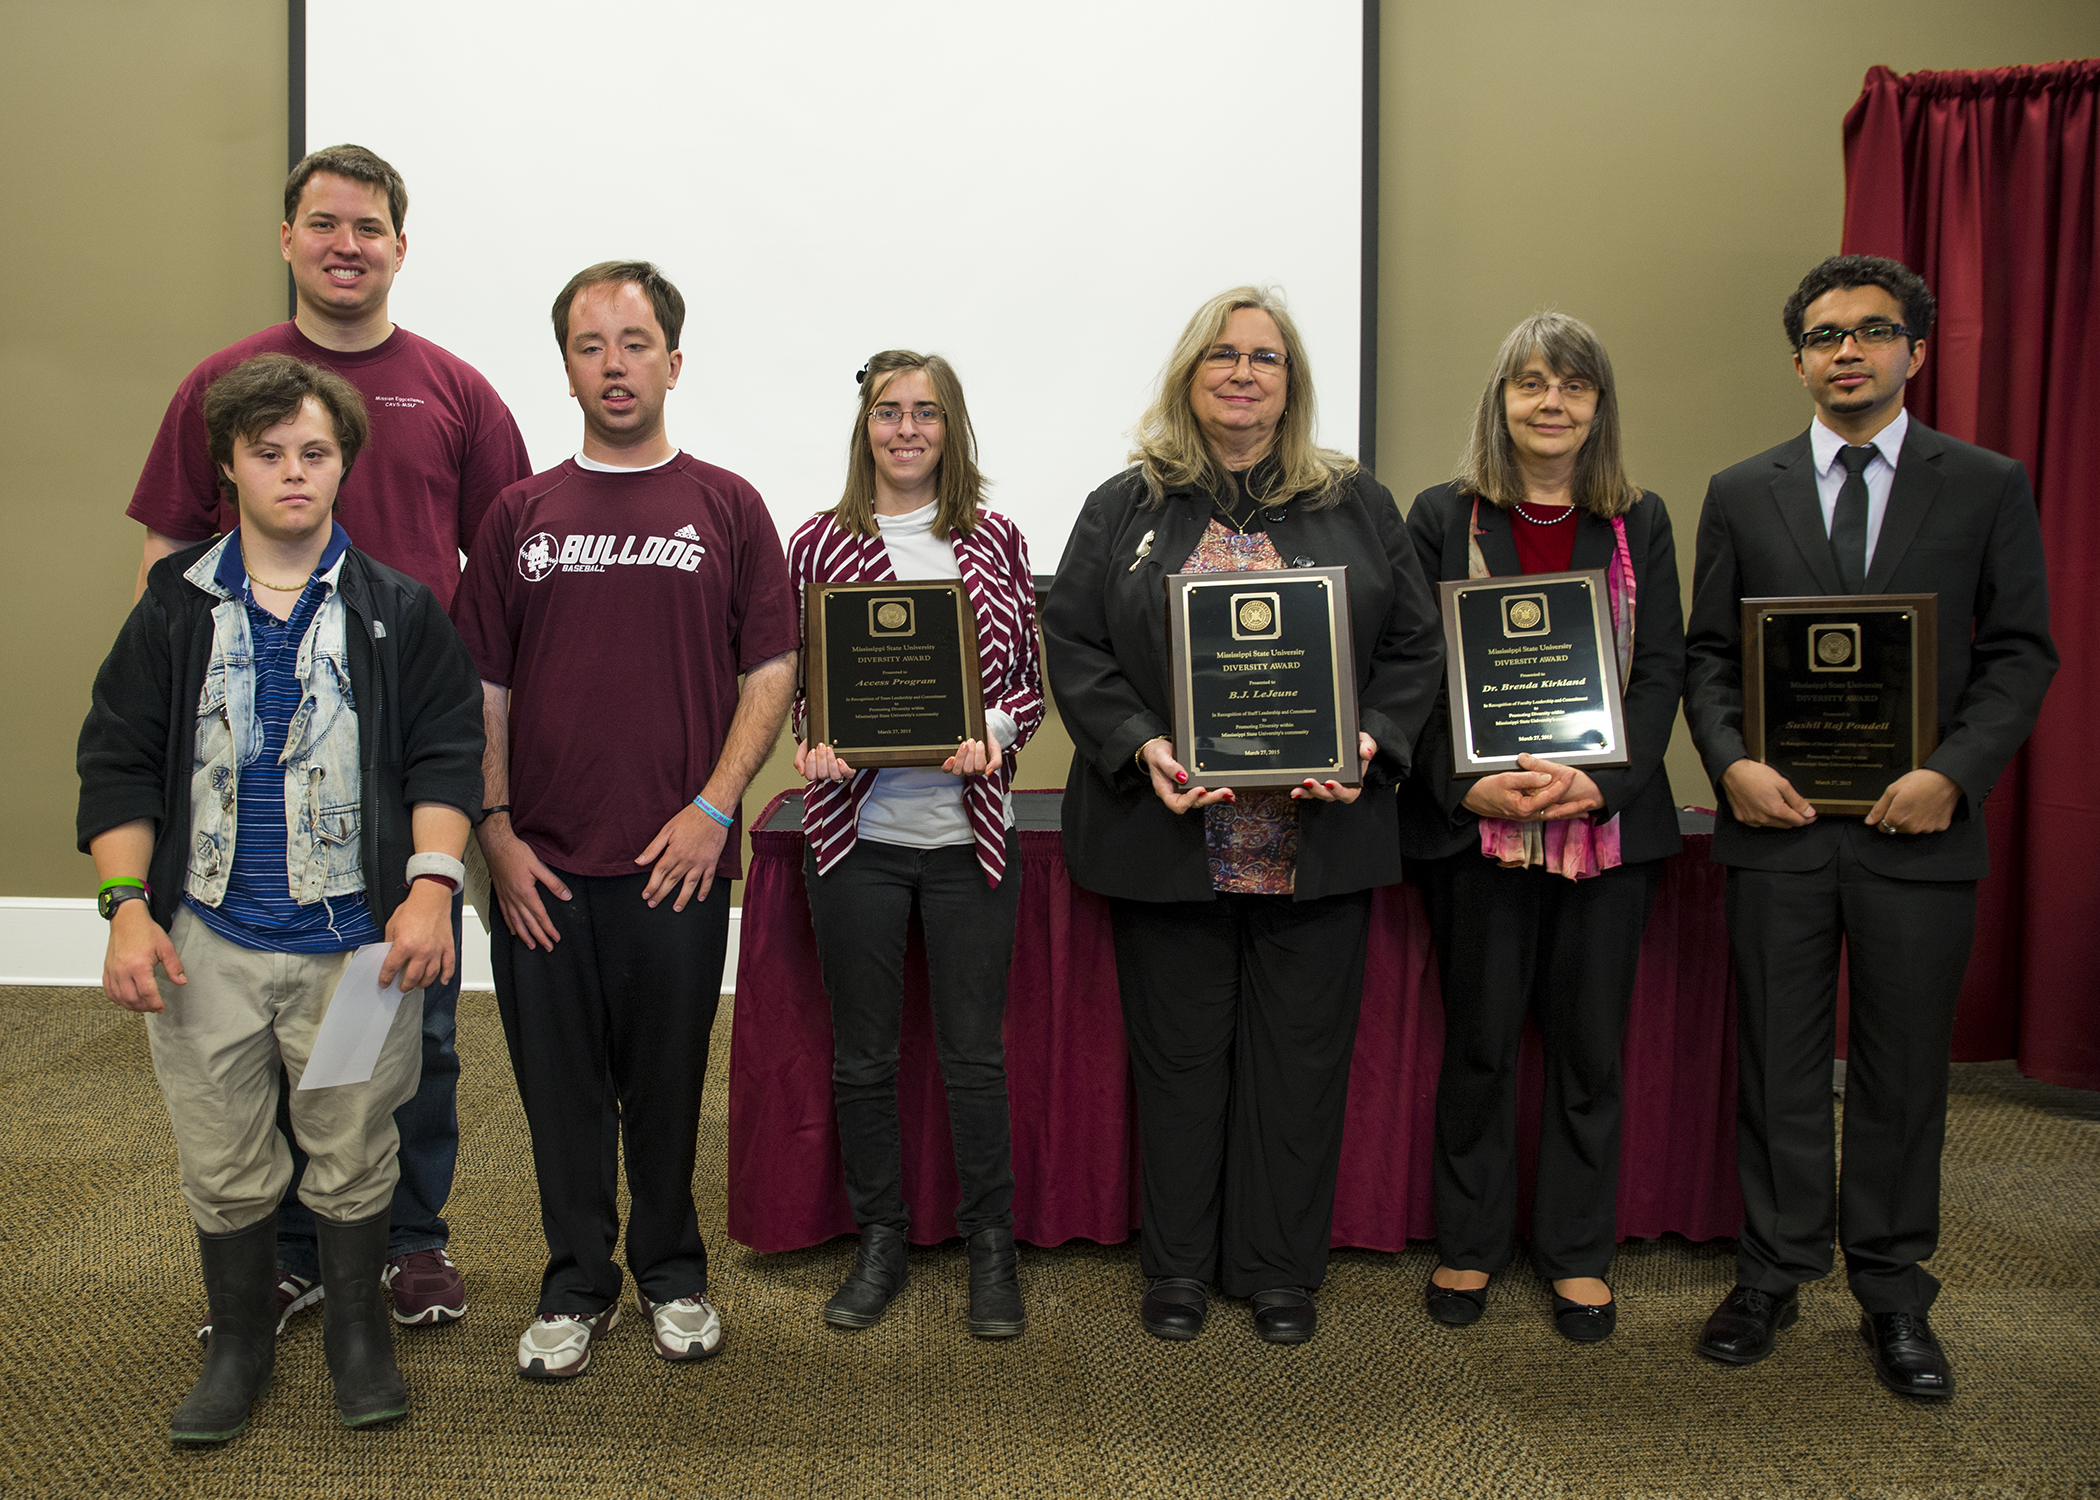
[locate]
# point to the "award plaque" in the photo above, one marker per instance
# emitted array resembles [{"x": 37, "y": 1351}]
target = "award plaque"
[
  {"x": 1531, "y": 669},
  {"x": 1264, "y": 677},
  {"x": 890, "y": 671},
  {"x": 1840, "y": 692}
]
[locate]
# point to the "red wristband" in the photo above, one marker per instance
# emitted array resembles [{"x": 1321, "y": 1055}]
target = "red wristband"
[{"x": 444, "y": 880}]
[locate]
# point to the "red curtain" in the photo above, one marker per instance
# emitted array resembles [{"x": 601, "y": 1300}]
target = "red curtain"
[{"x": 1988, "y": 184}]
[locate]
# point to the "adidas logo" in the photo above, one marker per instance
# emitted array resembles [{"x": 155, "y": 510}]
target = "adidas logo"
[{"x": 687, "y": 534}]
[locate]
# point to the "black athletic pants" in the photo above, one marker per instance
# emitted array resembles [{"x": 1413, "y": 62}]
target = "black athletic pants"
[
  {"x": 861, "y": 912},
  {"x": 1241, "y": 1014},
  {"x": 1509, "y": 942},
  {"x": 608, "y": 1036},
  {"x": 1907, "y": 945}
]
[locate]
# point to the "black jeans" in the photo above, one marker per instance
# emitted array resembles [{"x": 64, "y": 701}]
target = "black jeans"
[
  {"x": 1241, "y": 1015},
  {"x": 1509, "y": 942},
  {"x": 608, "y": 1037},
  {"x": 862, "y": 912}
]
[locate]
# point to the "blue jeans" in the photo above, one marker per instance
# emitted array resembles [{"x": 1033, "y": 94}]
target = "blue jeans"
[{"x": 429, "y": 1129}]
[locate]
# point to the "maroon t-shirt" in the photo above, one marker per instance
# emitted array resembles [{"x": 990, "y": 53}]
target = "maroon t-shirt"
[
  {"x": 1544, "y": 549},
  {"x": 619, "y": 609},
  {"x": 442, "y": 446}
]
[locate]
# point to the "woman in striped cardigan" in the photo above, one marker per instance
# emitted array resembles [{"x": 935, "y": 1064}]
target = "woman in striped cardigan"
[{"x": 879, "y": 840}]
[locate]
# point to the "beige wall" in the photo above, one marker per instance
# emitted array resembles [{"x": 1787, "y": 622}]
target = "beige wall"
[{"x": 1664, "y": 170}]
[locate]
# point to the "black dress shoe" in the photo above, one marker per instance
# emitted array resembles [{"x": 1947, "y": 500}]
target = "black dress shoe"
[
  {"x": 1285, "y": 1315},
  {"x": 1745, "y": 1325},
  {"x": 1907, "y": 1357},
  {"x": 1582, "y": 1323},
  {"x": 1454, "y": 1307},
  {"x": 1174, "y": 1308}
]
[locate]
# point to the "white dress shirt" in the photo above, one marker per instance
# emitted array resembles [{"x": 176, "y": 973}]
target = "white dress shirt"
[{"x": 1880, "y": 472}]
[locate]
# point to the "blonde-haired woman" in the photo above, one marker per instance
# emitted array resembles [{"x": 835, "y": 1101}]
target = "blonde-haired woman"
[
  {"x": 1240, "y": 921},
  {"x": 1538, "y": 881},
  {"x": 880, "y": 841}
]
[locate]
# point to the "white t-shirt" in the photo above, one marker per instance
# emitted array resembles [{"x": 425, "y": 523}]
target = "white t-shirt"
[{"x": 921, "y": 807}]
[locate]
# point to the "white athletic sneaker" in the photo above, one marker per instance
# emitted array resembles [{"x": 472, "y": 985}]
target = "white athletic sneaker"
[
  {"x": 559, "y": 1347},
  {"x": 688, "y": 1328}
]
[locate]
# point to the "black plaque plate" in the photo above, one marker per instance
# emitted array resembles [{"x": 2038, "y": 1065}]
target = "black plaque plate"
[
  {"x": 1840, "y": 692},
  {"x": 890, "y": 671},
  {"x": 1531, "y": 669},
  {"x": 1264, "y": 677}
]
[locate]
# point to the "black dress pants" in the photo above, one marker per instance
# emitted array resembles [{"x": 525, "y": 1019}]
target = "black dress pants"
[
  {"x": 1907, "y": 945},
  {"x": 861, "y": 912},
  {"x": 1241, "y": 1014},
  {"x": 1509, "y": 942},
  {"x": 608, "y": 1035}
]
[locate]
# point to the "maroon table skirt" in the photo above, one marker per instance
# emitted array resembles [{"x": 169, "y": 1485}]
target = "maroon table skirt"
[{"x": 1074, "y": 1124}]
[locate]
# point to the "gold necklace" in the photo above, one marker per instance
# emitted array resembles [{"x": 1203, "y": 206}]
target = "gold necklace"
[{"x": 282, "y": 588}]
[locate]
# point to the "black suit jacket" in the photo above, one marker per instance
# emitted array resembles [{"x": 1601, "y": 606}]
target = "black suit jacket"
[
  {"x": 1961, "y": 524},
  {"x": 1105, "y": 627},
  {"x": 1433, "y": 821}
]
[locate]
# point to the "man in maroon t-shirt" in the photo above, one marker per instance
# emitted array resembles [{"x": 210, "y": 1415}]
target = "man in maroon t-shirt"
[
  {"x": 442, "y": 445},
  {"x": 610, "y": 605}
]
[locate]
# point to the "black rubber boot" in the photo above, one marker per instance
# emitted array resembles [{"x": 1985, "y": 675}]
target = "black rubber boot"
[
  {"x": 878, "y": 1275},
  {"x": 240, "y": 1281},
  {"x": 995, "y": 1296},
  {"x": 356, "y": 1329}
]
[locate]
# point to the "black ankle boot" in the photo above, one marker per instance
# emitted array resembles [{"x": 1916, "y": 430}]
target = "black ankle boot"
[
  {"x": 356, "y": 1330},
  {"x": 240, "y": 1279},
  {"x": 995, "y": 1296},
  {"x": 878, "y": 1275}
]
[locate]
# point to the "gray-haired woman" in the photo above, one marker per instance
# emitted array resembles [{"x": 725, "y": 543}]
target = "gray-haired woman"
[
  {"x": 1240, "y": 921},
  {"x": 1539, "y": 880}
]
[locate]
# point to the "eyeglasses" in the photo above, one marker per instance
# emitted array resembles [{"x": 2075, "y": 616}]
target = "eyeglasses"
[
  {"x": 1261, "y": 361},
  {"x": 889, "y": 416},
  {"x": 1575, "y": 388},
  {"x": 1866, "y": 335}
]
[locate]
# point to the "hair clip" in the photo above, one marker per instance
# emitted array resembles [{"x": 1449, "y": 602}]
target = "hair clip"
[{"x": 860, "y": 375}]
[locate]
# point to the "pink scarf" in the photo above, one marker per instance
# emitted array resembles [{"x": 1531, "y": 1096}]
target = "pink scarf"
[{"x": 1575, "y": 847}]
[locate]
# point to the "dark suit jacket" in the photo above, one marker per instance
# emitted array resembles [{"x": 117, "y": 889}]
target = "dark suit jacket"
[
  {"x": 1433, "y": 823},
  {"x": 1105, "y": 626},
  {"x": 1960, "y": 524}
]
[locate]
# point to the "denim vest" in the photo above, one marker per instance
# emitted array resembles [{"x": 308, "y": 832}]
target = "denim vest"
[{"x": 322, "y": 782}]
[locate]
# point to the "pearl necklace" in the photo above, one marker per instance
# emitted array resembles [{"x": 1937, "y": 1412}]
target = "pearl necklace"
[{"x": 1534, "y": 520}]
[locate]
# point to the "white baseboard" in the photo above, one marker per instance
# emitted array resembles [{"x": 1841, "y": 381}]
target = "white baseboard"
[{"x": 60, "y": 941}]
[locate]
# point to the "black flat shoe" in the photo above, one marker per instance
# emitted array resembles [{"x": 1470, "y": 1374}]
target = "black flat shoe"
[
  {"x": 1454, "y": 1307},
  {"x": 1583, "y": 1324},
  {"x": 1748, "y": 1322},
  {"x": 1285, "y": 1315},
  {"x": 1174, "y": 1308},
  {"x": 1907, "y": 1358}
]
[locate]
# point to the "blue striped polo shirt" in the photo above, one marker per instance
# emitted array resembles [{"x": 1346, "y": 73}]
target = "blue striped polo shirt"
[{"x": 257, "y": 910}]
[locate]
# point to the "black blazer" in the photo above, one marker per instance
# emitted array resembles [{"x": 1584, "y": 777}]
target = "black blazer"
[
  {"x": 1105, "y": 626},
  {"x": 1960, "y": 524},
  {"x": 1433, "y": 823}
]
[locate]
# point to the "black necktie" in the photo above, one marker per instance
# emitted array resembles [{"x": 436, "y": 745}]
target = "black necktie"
[{"x": 1848, "y": 525}]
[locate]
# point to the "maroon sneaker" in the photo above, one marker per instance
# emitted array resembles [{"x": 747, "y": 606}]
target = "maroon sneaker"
[
  {"x": 427, "y": 1288},
  {"x": 295, "y": 1294}
]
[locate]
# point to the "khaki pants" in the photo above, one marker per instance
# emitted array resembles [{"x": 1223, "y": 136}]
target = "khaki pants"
[{"x": 216, "y": 1051}]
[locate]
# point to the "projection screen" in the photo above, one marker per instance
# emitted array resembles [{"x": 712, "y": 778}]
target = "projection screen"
[{"x": 1042, "y": 194}]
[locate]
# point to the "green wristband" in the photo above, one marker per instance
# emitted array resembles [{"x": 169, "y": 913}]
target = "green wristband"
[{"x": 117, "y": 880}]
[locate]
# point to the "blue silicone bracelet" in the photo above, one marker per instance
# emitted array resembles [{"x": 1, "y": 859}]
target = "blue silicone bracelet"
[{"x": 714, "y": 812}]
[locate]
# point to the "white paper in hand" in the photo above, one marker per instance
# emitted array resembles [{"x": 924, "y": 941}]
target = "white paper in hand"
[{"x": 360, "y": 1014}]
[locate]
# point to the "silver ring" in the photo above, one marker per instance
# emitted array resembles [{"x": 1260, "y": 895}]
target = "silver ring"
[{"x": 1890, "y": 828}]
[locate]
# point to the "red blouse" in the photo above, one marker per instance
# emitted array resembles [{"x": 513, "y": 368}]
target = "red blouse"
[{"x": 1546, "y": 548}]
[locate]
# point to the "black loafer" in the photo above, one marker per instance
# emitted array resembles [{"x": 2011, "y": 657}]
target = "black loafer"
[
  {"x": 1744, "y": 1327},
  {"x": 1907, "y": 1358},
  {"x": 1174, "y": 1308},
  {"x": 1285, "y": 1315},
  {"x": 1454, "y": 1307},
  {"x": 1581, "y": 1323}
]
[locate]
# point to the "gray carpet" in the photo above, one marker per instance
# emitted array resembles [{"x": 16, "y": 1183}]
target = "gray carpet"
[{"x": 100, "y": 1304}]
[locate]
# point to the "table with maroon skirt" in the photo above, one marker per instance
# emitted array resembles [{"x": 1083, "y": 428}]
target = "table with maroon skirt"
[{"x": 1074, "y": 1124}]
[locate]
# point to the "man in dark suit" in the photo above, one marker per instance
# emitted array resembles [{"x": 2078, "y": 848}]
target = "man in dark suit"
[{"x": 1867, "y": 501}]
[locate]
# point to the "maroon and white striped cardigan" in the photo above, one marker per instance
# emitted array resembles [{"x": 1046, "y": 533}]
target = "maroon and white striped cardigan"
[{"x": 993, "y": 559}]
